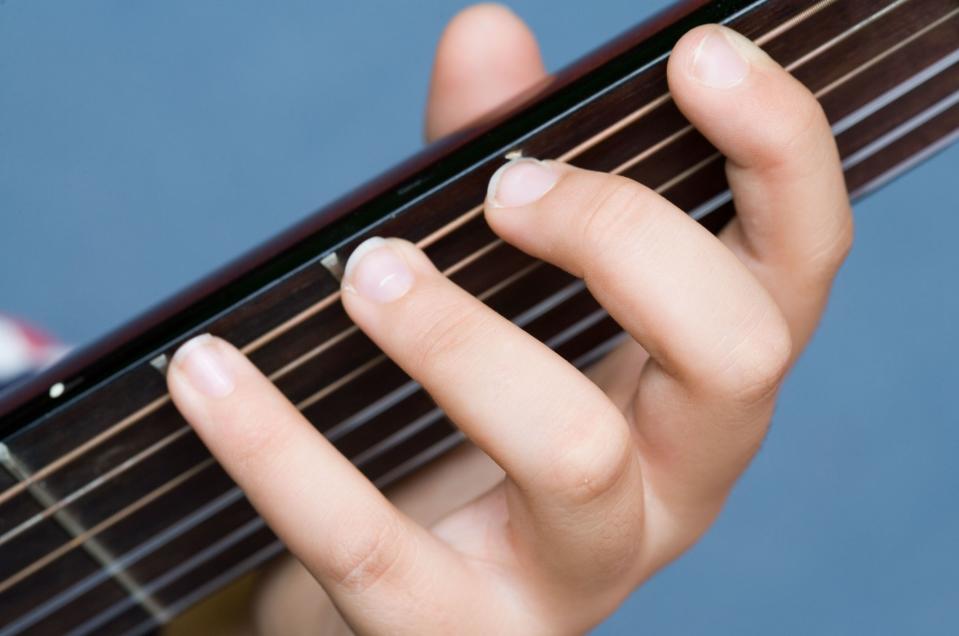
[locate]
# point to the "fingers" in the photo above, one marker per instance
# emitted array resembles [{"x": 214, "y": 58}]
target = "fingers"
[
  {"x": 676, "y": 289},
  {"x": 485, "y": 57},
  {"x": 362, "y": 550},
  {"x": 559, "y": 439},
  {"x": 719, "y": 344},
  {"x": 794, "y": 225}
]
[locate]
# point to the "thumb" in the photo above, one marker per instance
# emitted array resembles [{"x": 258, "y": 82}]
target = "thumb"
[{"x": 486, "y": 56}]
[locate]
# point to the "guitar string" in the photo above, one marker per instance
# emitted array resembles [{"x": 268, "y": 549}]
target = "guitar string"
[
  {"x": 289, "y": 324},
  {"x": 202, "y": 514},
  {"x": 157, "y": 446},
  {"x": 177, "y": 434},
  {"x": 938, "y": 108},
  {"x": 853, "y": 118},
  {"x": 274, "y": 548}
]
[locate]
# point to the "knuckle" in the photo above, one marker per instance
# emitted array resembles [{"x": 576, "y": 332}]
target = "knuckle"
[
  {"x": 758, "y": 364},
  {"x": 839, "y": 243},
  {"x": 786, "y": 140},
  {"x": 367, "y": 555},
  {"x": 591, "y": 462},
  {"x": 821, "y": 260}
]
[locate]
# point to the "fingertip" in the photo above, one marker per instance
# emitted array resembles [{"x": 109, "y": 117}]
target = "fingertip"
[
  {"x": 203, "y": 364},
  {"x": 713, "y": 57},
  {"x": 742, "y": 100}
]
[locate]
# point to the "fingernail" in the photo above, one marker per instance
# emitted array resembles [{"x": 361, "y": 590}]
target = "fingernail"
[
  {"x": 203, "y": 365},
  {"x": 377, "y": 272},
  {"x": 520, "y": 182},
  {"x": 718, "y": 61}
]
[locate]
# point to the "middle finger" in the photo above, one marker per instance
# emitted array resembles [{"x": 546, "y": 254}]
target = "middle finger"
[{"x": 564, "y": 445}]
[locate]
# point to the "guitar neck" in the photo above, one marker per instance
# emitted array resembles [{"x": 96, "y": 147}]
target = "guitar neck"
[{"x": 113, "y": 516}]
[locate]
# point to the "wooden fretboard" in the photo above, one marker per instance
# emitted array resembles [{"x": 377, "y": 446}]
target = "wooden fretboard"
[{"x": 113, "y": 516}]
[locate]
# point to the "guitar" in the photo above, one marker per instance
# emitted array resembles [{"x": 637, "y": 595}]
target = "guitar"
[{"x": 115, "y": 519}]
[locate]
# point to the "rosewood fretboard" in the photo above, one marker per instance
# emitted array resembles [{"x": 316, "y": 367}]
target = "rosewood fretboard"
[{"x": 114, "y": 518}]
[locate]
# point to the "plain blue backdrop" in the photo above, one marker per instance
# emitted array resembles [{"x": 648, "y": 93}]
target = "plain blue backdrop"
[{"x": 143, "y": 144}]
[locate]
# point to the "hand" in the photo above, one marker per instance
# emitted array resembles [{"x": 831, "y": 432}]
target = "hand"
[{"x": 605, "y": 482}]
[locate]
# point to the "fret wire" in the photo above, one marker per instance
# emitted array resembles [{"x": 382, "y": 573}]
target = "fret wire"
[
  {"x": 103, "y": 525},
  {"x": 844, "y": 78},
  {"x": 131, "y": 557},
  {"x": 425, "y": 242},
  {"x": 472, "y": 257},
  {"x": 257, "y": 558},
  {"x": 170, "y": 575}
]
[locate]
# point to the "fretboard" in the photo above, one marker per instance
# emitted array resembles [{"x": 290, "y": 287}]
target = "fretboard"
[{"x": 113, "y": 516}]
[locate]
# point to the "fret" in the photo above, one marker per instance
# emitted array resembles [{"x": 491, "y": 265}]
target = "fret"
[
  {"x": 180, "y": 534},
  {"x": 59, "y": 433},
  {"x": 76, "y": 530},
  {"x": 17, "y": 509},
  {"x": 219, "y": 547},
  {"x": 20, "y": 605}
]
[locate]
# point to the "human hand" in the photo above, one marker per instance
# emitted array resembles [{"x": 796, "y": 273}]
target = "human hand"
[{"x": 602, "y": 487}]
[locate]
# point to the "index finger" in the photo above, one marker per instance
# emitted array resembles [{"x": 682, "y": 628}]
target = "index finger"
[{"x": 364, "y": 552}]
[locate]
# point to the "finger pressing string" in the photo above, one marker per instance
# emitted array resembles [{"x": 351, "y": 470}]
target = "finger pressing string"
[
  {"x": 794, "y": 225},
  {"x": 365, "y": 553},
  {"x": 559, "y": 439}
]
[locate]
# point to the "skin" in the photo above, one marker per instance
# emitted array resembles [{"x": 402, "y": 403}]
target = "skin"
[{"x": 575, "y": 488}]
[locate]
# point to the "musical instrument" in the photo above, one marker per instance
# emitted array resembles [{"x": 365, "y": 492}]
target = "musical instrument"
[{"x": 115, "y": 518}]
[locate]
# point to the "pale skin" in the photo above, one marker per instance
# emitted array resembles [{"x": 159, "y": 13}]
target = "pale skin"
[{"x": 575, "y": 489}]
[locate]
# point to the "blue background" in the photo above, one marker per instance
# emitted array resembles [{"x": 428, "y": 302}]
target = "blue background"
[{"x": 143, "y": 144}]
